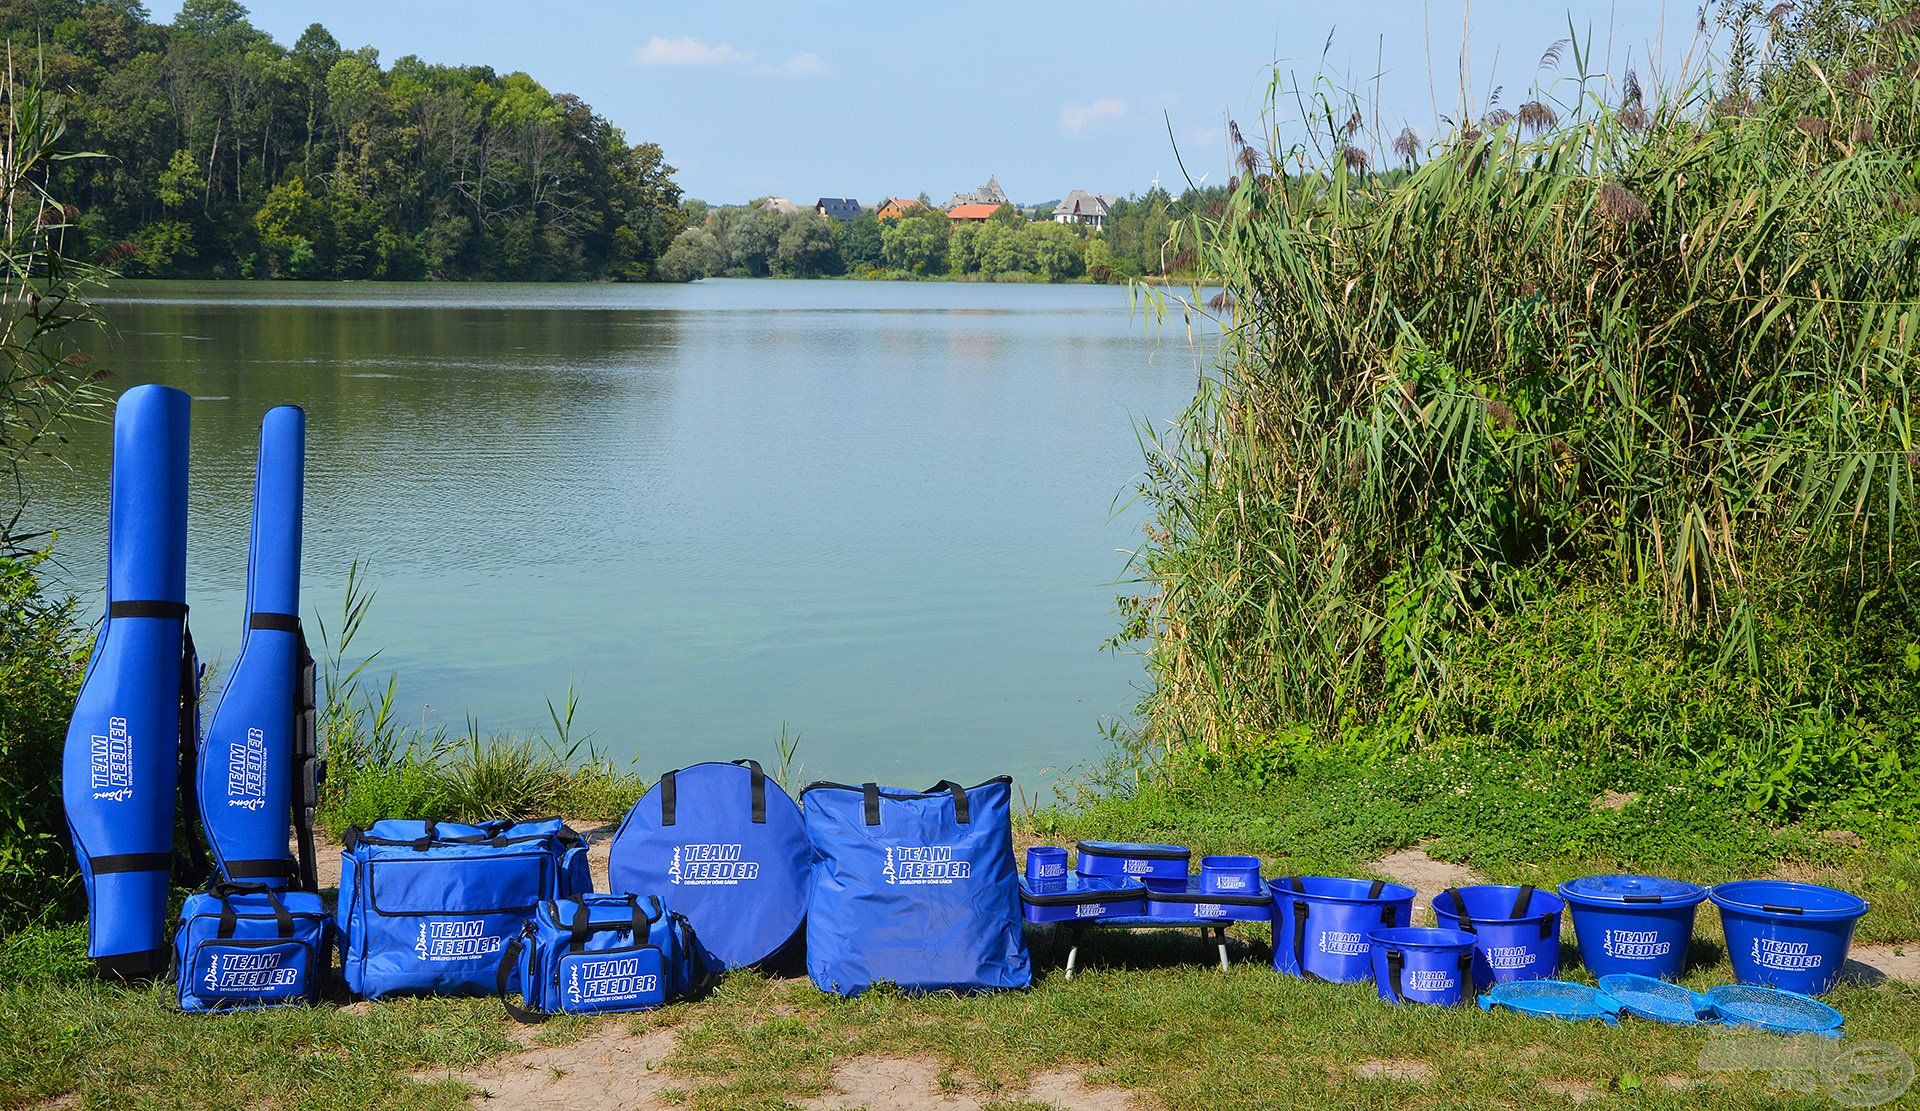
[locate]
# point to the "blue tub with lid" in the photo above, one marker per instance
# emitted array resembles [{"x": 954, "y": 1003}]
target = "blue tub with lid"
[
  {"x": 1516, "y": 930},
  {"x": 1321, "y": 923},
  {"x": 1633, "y": 925},
  {"x": 1077, "y": 898},
  {"x": 1421, "y": 964},
  {"x": 1160, "y": 867},
  {"x": 1194, "y": 903},
  {"x": 1791, "y": 936}
]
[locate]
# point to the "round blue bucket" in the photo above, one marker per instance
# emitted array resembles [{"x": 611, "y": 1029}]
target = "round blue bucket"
[
  {"x": 1321, "y": 923},
  {"x": 1420, "y": 964},
  {"x": 1633, "y": 925},
  {"x": 1791, "y": 936},
  {"x": 1516, "y": 930}
]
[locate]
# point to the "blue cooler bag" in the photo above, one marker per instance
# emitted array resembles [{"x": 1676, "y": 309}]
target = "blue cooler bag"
[
  {"x": 728, "y": 849},
  {"x": 428, "y": 908},
  {"x": 915, "y": 888},
  {"x": 245, "y": 945},
  {"x": 601, "y": 954}
]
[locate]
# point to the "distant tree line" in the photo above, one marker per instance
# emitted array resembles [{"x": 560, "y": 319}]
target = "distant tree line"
[
  {"x": 229, "y": 155},
  {"x": 1014, "y": 245}
]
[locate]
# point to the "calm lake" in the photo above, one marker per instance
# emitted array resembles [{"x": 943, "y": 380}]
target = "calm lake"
[{"x": 889, "y": 516}]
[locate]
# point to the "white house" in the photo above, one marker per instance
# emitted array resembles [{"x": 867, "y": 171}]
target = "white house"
[{"x": 1082, "y": 207}]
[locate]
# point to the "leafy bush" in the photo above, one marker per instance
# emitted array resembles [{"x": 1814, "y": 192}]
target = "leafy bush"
[{"x": 42, "y": 657}]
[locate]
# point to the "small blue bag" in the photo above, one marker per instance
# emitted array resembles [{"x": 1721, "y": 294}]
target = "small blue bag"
[
  {"x": 242, "y": 946},
  {"x": 915, "y": 888},
  {"x": 601, "y": 954},
  {"x": 428, "y": 907}
]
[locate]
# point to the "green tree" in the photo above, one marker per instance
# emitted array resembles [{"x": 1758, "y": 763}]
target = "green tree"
[
  {"x": 296, "y": 235},
  {"x": 917, "y": 242},
  {"x": 693, "y": 254},
  {"x": 860, "y": 242}
]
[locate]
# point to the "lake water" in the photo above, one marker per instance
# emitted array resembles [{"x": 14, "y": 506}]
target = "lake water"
[{"x": 889, "y": 517}]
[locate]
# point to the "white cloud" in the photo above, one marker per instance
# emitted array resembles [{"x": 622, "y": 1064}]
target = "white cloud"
[
  {"x": 689, "y": 51},
  {"x": 1203, "y": 136},
  {"x": 1074, "y": 117},
  {"x": 804, "y": 64}
]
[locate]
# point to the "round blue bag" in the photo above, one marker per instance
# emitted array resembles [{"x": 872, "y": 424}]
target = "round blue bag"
[{"x": 724, "y": 846}]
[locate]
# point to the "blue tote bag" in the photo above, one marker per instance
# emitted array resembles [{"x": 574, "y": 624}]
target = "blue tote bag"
[{"x": 914, "y": 888}]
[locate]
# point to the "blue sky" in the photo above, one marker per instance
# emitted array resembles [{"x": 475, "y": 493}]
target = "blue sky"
[{"x": 874, "y": 99}]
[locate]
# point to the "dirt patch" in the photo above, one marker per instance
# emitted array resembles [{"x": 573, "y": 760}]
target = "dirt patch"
[
  {"x": 1395, "y": 1068},
  {"x": 1892, "y": 962},
  {"x": 608, "y": 1069},
  {"x": 1428, "y": 877},
  {"x": 913, "y": 1084},
  {"x": 1615, "y": 800},
  {"x": 1574, "y": 1091},
  {"x": 1066, "y": 1089}
]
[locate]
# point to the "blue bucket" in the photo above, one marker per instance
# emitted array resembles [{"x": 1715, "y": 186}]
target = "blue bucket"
[
  {"x": 1633, "y": 925},
  {"x": 1420, "y": 964},
  {"x": 1047, "y": 868},
  {"x": 1321, "y": 923},
  {"x": 1517, "y": 930},
  {"x": 1791, "y": 936}
]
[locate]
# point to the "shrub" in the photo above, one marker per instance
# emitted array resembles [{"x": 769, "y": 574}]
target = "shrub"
[{"x": 42, "y": 657}]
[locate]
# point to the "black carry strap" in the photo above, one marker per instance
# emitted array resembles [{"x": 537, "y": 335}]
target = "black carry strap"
[
  {"x": 147, "y": 608},
  {"x": 309, "y": 767},
  {"x": 706, "y": 974},
  {"x": 758, "y": 790},
  {"x": 508, "y": 959},
  {"x": 198, "y": 861},
  {"x": 282, "y": 920},
  {"x": 1396, "y": 968},
  {"x": 582, "y": 926},
  {"x": 870, "y": 802},
  {"x": 669, "y": 798},
  {"x": 962, "y": 808},
  {"x": 278, "y": 868},
  {"x": 1522, "y": 901},
  {"x": 1300, "y": 927},
  {"x": 1460, "y": 910},
  {"x": 129, "y": 862}
]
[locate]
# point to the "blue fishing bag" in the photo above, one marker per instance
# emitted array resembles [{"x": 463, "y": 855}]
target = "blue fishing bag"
[
  {"x": 428, "y": 908},
  {"x": 729, "y": 850},
  {"x": 915, "y": 888},
  {"x": 241, "y": 946},
  {"x": 601, "y": 954}
]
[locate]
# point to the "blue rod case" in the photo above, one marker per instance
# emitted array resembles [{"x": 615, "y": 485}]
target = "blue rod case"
[
  {"x": 1080, "y": 898},
  {"x": 259, "y": 764},
  {"x": 136, "y": 720}
]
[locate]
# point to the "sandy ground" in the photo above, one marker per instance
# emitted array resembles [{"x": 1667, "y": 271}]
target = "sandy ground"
[{"x": 1428, "y": 877}]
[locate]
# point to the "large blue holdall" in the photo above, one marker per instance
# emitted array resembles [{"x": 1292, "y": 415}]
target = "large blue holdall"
[
  {"x": 241, "y": 946},
  {"x": 914, "y": 888},
  {"x": 729, "y": 850},
  {"x": 602, "y": 954},
  {"x": 427, "y": 908}
]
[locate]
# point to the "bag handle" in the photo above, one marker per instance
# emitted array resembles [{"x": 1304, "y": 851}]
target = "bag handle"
[
  {"x": 1522, "y": 901},
  {"x": 507, "y": 960},
  {"x": 962, "y": 808},
  {"x": 870, "y": 802},
  {"x": 1459, "y": 910},
  {"x": 1396, "y": 968},
  {"x": 229, "y": 918},
  {"x": 669, "y": 797},
  {"x": 759, "y": 790},
  {"x": 583, "y": 926}
]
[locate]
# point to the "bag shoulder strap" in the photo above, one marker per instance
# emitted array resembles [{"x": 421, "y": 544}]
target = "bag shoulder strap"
[
  {"x": 196, "y": 860},
  {"x": 508, "y": 959},
  {"x": 309, "y": 767}
]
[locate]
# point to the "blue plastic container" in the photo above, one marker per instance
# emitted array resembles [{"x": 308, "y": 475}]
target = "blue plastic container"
[
  {"x": 1791, "y": 936},
  {"x": 1420, "y": 964},
  {"x": 1047, "y": 868},
  {"x": 1633, "y": 925},
  {"x": 1196, "y": 904},
  {"x": 1232, "y": 875},
  {"x": 1160, "y": 867},
  {"x": 1518, "y": 930},
  {"x": 1081, "y": 899},
  {"x": 1321, "y": 923}
]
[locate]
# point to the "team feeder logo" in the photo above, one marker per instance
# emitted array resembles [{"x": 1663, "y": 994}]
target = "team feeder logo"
[
  {"x": 1341, "y": 943},
  {"x": 247, "y": 771},
  {"x": 1635, "y": 945},
  {"x": 228, "y": 973},
  {"x": 111, "y": 760},
  {"x": 458, "y": 940},
  {"x": 917, "y": 864},
  {"x": 1787, "y": 956},
  {"x": 696, "y": 865},
  {"x": 614, "y": 980}
]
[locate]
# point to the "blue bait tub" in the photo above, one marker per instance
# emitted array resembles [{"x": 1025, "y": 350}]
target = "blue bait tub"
[
  {"x": 1420, "y": 964},
  {"x": 1047, "y": 867},
  {"x": 1321, "y": 923},
  {"x": 1160, "y": 867},
  {"x": 1518, "y": 930},
  {"x": 1081, "y": 899},
  {"x": 1633, "y": 925},
  {"x": 1791, "y": 936},
  {"x": 1197, "y": 905},
  {"x": 1231, "y": 875}
]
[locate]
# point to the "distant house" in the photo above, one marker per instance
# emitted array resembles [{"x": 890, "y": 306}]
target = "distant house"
[
  {"x": 780, "y": 205},
  {"x": 839, "y": 208},
  {"x": 1084, "y": 208},
  {"x": 973, "y": 213},
  {"x": 897, "y": 207},
  {"x": 990, "y": 193}
]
